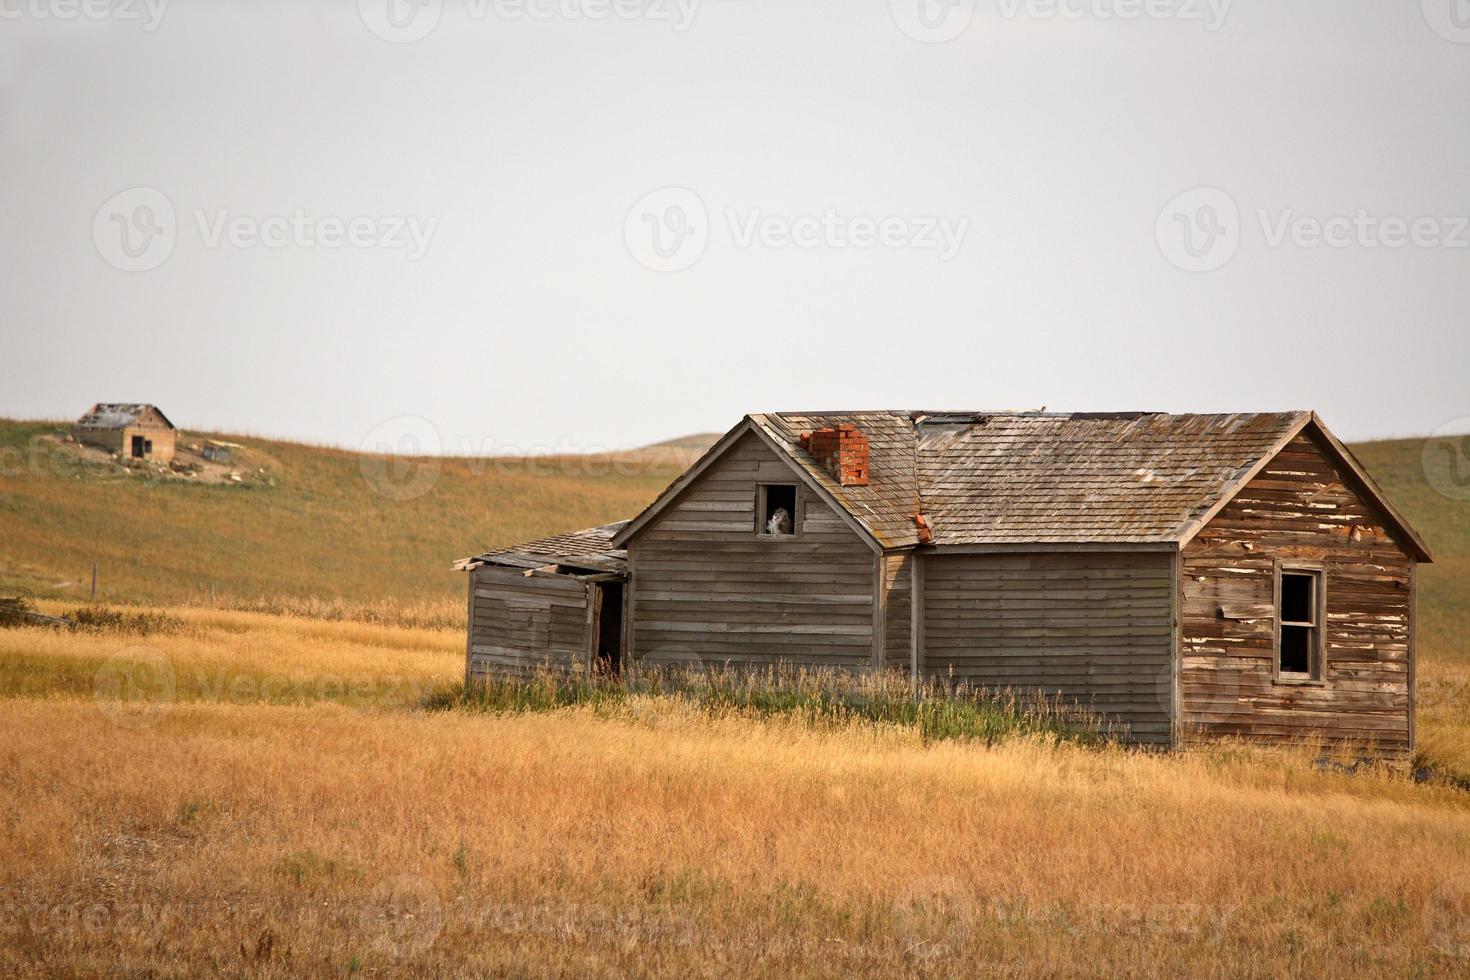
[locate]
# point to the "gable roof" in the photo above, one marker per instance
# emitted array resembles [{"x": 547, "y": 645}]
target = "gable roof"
[
  {"x": 591, "y": 549},
  {"x": 1036, "y": 478},
  {"x": 118, "y": 415},
  {"x": 823, "y": 487}
]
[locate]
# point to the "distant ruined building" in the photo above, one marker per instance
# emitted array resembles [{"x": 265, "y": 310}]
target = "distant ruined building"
[{"x": 134, "y": 431}]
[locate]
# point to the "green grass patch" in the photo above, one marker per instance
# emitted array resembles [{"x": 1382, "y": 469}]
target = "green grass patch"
[{"x": 937, "y": 711}]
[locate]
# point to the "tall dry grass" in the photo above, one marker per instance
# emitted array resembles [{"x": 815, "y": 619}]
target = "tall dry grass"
[
  {"x": 268, "y": 834},
  {"x": 320, "y": 840},
  {"x": 230, "y": 657}
]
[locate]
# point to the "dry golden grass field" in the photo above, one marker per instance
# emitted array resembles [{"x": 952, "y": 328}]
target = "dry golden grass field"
[
  {"x": 269, "y": 793},
  {"x": 262, "y": 795}
]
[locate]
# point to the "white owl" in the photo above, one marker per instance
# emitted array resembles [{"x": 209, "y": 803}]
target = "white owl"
[{"x": 780, "y": 522}]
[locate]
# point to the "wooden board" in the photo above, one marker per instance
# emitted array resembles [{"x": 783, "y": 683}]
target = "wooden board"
[
  {"x": 1094, "y": 629},
  {"x": 708, "y": 589},
  {"x": 520, "y": 624},
  {"x": 1298, "y": 509}
]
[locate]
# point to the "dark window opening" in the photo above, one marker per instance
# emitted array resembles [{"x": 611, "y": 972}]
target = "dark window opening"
[
  {"x": 1300, "y": 653},
  {"x": 777, "y": 511},
  {"x": 610, "y": 628},
  {"x": 1296, "y": 598},
  {"x": 1296, "y": 650}
]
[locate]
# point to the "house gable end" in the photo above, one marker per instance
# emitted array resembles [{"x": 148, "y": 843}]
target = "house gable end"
[
  {"x": 151, "y": 417},
  {"x": 744, "y": 434},
  {"x": 1303, "y": 491},
  {"x": 1312, "y": 433},
  {"x": 1300, "y": 513}
]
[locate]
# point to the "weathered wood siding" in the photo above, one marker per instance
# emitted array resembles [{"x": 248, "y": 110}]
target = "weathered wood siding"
[
  {"x": 1298, "y": 508},
  {"x": 520, "y": 624},
  {"x": 707, "y": 589},
  {"x": 1095, "y": 628},
  {"x": 898, "y": 610}
]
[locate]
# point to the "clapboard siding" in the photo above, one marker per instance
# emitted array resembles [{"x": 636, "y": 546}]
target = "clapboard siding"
[
  {"x": 1299, "y": 508},
  {"x": 1096, "y": 629},
  {"x": 521, "y": 624},
  {"x": 707, "y": 589},
  {"x": 898, "y": 610}
]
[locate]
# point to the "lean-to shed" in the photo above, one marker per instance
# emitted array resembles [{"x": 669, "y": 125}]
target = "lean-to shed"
[{"x": 555, "y": 603}]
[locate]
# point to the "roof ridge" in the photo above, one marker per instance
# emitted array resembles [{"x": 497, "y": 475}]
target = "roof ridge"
[
  {"x": 1026, "y": 476},
  {"x": 1029, "y": 412}
]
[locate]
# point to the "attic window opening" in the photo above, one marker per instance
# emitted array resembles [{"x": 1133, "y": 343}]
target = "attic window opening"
[
  {"x": 1299, "y": 622},
  {"x": 776, "y": 509}
]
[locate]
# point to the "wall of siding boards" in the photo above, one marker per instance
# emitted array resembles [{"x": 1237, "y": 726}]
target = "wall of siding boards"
[
  {"x": 1298, "y": 508},
  {"x": 522, "y": 624},
  {"x": 898, "y": 610},
  {"x": 707, "y": 589},
  {"x": 1094, "y": 628}
]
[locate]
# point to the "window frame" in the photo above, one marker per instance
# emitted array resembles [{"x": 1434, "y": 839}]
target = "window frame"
[
  {"x": 760, "y": 510},
  {"x": 1317, "y": 674}
]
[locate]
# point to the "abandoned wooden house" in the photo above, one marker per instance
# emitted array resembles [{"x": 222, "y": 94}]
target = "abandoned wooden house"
[
  {"x": 133, "y": 431},
  {"x": 1187, "y": 576}
]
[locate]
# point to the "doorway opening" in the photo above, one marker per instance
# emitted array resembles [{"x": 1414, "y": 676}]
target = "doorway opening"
[
  {"x": 609, "y": 628},
  {"x": 138, "y": 447}
]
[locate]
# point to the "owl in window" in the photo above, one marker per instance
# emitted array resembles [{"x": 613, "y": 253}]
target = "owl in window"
[{"x": 780, "y": 522}]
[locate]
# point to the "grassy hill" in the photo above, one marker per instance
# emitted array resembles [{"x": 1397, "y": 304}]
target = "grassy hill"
[
  {"x": 305, "y": 522},
  {"x": 313, "y": 524},
  {"x": 1400, "y": 468}
]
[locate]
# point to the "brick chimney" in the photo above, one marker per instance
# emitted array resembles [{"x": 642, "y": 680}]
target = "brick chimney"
[{"x": 843, "y": 451}]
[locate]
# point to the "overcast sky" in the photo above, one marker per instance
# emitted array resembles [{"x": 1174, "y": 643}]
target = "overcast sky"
[{"x": 558, "y": 224}]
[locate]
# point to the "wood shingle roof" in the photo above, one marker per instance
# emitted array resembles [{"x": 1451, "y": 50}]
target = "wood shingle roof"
[
  {"x": 1039, "y": 478},
  {"x": 1036, "y": 477},
  {"x": 1046, "y": 478},
  {"x": 591, "y": 549}
]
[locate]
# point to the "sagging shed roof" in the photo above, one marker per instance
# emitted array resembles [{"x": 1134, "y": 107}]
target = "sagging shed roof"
[
  {"x": 1029, "y": 478},
  {"x": 119, "y": 415},
  {"x": 589, "y": 551}
]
